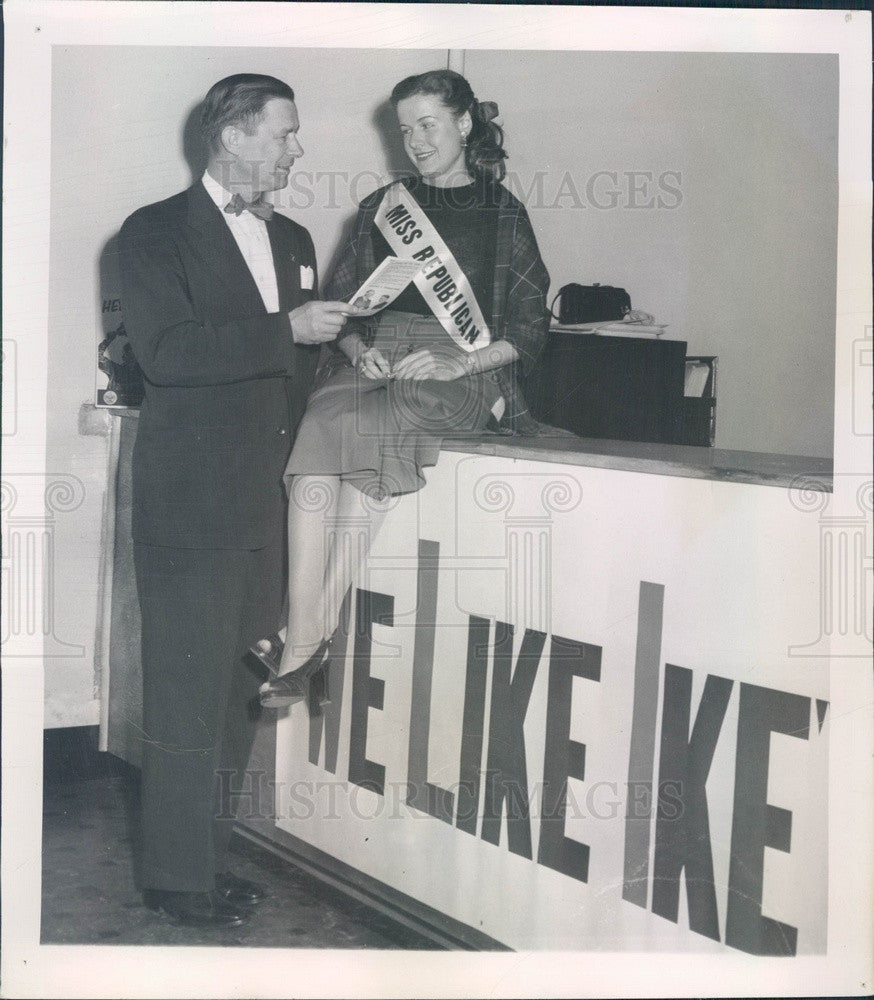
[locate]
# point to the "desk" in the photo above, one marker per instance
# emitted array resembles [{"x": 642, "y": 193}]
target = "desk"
[{"x": 623, "y": 388}]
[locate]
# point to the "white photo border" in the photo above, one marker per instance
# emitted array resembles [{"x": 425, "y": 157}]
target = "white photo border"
[{"x": 33, "y": 970}]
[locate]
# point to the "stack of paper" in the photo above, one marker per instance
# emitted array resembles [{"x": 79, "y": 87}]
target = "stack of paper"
[
  {"x": 616, "y": 329},
  {"x": 697, "y": 373},
  {"x": 630, "y": 329}
]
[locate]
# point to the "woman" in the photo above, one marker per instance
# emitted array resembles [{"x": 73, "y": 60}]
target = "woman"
[{"x": 441, "y": 362}]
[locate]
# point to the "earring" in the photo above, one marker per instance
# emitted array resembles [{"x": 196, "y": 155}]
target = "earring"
[{"x": 463, "y": 140}]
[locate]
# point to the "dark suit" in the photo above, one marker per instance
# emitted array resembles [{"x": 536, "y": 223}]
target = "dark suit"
[{"x": 225, "y": 390}]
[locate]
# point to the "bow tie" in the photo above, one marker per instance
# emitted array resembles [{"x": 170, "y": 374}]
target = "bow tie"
[{"x": 238, "y": 204}]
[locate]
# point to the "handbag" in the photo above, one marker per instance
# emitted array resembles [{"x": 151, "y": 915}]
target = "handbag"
[{"x": 590, "y": 304}]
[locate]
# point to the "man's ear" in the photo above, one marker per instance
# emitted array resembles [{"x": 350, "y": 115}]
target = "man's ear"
[{"x": 230, "y": 138}]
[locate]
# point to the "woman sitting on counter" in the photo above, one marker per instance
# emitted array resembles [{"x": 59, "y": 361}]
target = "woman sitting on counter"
[{"x": 443, "y": 361}]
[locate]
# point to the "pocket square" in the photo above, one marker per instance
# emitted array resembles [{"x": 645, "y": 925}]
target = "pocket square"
[{"x": 307, "y": 277}]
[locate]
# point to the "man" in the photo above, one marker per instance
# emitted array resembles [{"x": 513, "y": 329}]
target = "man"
[{"x": 219, "y": 303}]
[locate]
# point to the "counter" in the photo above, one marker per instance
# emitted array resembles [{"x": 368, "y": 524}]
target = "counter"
[{"x": 580, "y": 701}]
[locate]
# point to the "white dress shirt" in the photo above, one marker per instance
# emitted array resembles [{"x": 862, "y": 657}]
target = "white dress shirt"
[{"x": 250, "y": 232}]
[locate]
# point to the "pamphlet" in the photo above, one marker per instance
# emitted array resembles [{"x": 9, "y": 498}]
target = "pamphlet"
[{"x": 385, "y": 284}]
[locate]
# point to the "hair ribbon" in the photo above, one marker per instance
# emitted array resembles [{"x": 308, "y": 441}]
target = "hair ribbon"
[{"x": 488, "y": 110}]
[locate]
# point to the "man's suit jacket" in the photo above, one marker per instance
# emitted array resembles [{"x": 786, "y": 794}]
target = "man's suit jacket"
[{"x": 226, "y": 386}]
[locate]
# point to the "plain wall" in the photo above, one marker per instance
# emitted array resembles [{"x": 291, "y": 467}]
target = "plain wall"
[
  {"x": 742, "y": 266},
  {"x": 741, "y": 259}
]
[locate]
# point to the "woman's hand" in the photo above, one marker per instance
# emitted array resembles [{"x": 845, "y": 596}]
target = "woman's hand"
[
  {"x": 431, "y": 364},
  {"x": 372, "y": 364},
  {"x": 368, "y": 361}
]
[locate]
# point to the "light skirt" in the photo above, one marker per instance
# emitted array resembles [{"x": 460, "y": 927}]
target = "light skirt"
[{"x": 379, "y": 434}]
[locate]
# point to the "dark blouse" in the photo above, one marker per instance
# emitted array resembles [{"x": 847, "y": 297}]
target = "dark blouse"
[
  {"x": 517, "y": 309},
  {"x": 467, "y": 219}
]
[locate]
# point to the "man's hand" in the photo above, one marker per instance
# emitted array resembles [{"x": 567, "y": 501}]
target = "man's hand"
[{"x": 319, "y": 322}]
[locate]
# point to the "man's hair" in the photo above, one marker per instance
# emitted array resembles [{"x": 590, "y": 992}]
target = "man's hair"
[{"x": 238, "y": 100}]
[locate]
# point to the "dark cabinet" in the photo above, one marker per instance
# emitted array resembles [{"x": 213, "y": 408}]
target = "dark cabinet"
[{"x": 625, "y": 388}]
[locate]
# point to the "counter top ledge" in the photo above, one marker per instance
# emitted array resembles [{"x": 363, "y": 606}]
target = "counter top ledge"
[{"x": 717, "y": 464}]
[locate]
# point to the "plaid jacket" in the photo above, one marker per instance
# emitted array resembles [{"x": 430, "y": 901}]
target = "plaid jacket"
[{"x": 519, "y": 311}]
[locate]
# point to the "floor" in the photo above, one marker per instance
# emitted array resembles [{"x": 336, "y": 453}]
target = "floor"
[{"x": 89, "y": 895}]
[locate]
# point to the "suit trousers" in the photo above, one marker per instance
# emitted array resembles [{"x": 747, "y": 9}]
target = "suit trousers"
[{"x": 201, "y": 610}]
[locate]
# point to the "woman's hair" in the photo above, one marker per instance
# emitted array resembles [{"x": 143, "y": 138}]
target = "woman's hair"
[
  {"x": 238, "y": 100},
  {"x": 484, "y": 153}
]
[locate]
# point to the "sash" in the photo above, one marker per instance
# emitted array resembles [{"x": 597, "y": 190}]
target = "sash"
[{"x": 442, "y": 283}]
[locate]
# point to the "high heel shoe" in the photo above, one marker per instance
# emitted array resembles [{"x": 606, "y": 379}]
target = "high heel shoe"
[
  {"x": 295, "y": 684},
  {"x": 272, "y": 657}
]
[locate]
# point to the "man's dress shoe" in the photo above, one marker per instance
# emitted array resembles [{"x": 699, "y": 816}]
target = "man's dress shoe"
[
  {"x": 196, "y": 909},
  {"x": 238, "y": 891}
]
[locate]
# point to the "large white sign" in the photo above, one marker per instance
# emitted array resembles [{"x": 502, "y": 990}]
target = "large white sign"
[{"x": 584, "y": 709}]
